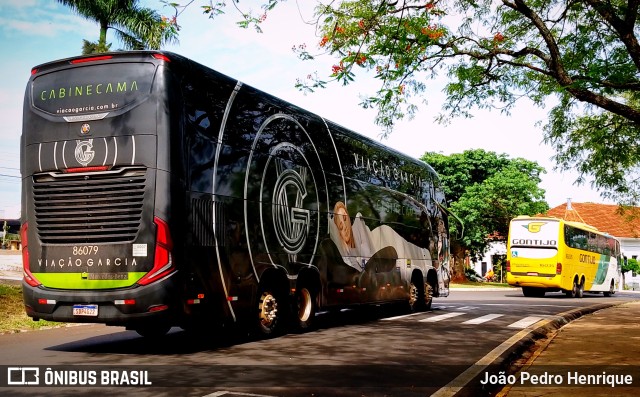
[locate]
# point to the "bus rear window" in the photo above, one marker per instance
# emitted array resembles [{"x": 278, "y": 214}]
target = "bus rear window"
[
  {"x": 92, "y": 88},
  {"x": 533, "y": 253}
]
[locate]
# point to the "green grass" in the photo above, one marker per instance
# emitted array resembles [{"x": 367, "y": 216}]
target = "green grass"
[
  {"x": 12, "y": 315},
  {"x": 475, "y": 284}
]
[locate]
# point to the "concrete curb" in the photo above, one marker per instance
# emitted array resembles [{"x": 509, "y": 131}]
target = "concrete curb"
[
  {"x": 524, "y": 350},
  {"x": 508, "y": 356}
]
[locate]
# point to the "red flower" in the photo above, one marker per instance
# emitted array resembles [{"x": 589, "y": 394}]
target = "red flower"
[
  {"x": 498, "y": 37},
  {"x": 324, "y": 41},
  {"x": 337, "y": 68}
]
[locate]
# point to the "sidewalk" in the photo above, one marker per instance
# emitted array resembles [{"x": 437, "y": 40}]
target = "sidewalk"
[{"x": 601, "y": 348}]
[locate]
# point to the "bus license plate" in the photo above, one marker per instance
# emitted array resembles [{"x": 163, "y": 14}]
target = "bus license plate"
[{"x": 85, "y": 310}]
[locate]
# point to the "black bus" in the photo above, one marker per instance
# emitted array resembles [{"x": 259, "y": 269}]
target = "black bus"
[{"x": 157, "y": 192}]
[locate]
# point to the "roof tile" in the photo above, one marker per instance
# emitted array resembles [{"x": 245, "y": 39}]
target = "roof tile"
[{"x": 609, "y": 218}]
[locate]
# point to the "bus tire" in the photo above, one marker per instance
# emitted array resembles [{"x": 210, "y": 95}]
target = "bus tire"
[
  {"x": 612, "y": 290},
  {"x": 428, "y": 295},
  {"x": 271, "y": 312},
  {"x": 580, "y": 291},
  {"x": 304, "y": 309},
  {"x": 573, "y": 292},
  {"x": 417, "y": 296}
]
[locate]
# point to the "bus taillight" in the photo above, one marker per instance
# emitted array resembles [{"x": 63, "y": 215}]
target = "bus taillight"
[
  {"x": 162, "y": 263},
  {"x": 28, "y": 277},
  {"x": 91, "y": 59},
  {"x": 161, "y": 57},
  {"x": 558, "y": 268},
  {"x": 508, "y": 266},
  {"x": 86, "y": 169}
]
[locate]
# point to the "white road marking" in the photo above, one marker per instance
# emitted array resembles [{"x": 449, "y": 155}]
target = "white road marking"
[
  {"x": 483, "y": 319},
  {"x": 400, "y": 317},
  {"x": 440, "y": 317},
  {"x": 525, "y": 322}
]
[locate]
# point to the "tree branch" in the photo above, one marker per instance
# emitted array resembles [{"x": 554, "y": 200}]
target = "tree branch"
[{"x": 624, "y": 28}]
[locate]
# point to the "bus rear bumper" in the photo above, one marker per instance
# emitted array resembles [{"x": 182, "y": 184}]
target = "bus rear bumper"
[
  {"x": 547, "y": 282},
  {"x": 154, "y": 302}
]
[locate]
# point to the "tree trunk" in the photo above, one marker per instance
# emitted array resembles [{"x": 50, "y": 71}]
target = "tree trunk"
[
  {"x": 457, "y": 268},
  {"x": 102, "y": 42}
]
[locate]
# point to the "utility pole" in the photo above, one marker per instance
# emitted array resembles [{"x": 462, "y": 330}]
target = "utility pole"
[{"x": 5, "y": 229}]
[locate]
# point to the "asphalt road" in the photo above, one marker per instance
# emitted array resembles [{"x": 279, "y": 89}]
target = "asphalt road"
[{"x": 380, "y": 352}]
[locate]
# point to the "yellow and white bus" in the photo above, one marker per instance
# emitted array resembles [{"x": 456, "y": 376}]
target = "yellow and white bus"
[{"x": 547, "y": 254}]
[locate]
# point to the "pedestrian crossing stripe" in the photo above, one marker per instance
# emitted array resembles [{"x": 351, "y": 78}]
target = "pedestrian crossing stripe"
[
  {"x": 520, "y": 324},
  {"x": 440, "y": 317},
  {"x": 483, "y": 319},
  {"x": 525, "y": 322}
]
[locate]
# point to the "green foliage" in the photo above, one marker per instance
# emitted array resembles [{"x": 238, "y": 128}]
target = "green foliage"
[
  {"x": 486, "y": 191},
  {"x": 631, "y": 266},
  {"x": 471, "y": 275},
  {"x": 213, "y": 9},
  {"x": 135, "y": 27},
  {"x": 584, "y": 53}
]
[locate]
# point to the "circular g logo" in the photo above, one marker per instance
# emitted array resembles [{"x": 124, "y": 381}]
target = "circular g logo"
[
  {"x": 84, "y": 152},
  {"x": 290, "y": 218},
  {"x": 283, "y": 193}
]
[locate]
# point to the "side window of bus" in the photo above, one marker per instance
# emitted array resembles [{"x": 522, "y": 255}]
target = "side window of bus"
[
  {"x": 576, "y": 238},
  {"x": 603, "y": 247},
  {"x": 592, "y": 244}
]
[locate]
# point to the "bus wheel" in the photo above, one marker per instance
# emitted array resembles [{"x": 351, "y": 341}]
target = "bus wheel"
[
  {"x": 611, "y": 291},
  {"x": 153, "y": 331},
  {"x": 417, "y": 297},
  {"x": 573, "y": 292},
  {"x": 269, "y": 319},
  {"x": 305, "y": 308},
  {"x": 428, "y": 296},
  {"x": 580, "y": 291}
]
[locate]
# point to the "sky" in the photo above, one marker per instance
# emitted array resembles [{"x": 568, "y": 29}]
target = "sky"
[{"x": 38, "y": 31}]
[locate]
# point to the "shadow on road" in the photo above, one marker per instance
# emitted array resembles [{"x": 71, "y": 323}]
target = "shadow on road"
[{"x": 179, "y": 341}]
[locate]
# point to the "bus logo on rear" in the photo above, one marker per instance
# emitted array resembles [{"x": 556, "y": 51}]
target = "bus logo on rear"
[
  {"x": 534, "y": 227},
  {"x": 84, "y": 152}
]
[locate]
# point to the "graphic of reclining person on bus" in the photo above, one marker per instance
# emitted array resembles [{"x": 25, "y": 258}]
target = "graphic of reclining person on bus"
[{"x": 375, "y": 257}]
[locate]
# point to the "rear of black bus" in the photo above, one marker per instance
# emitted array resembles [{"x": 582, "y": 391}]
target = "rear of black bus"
[{"x": 96, "y": 191}]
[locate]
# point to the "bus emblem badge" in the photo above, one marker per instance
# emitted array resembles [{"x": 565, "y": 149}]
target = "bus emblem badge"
[
  {"x": 534, "y": 227},
  {"x": 84, "y": 152},
  {"x": 290, "y": 219},
  {"x": 84, "y": 130}
]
